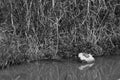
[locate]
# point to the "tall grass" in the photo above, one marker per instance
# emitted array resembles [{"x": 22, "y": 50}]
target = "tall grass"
[{"x": 37, "y": 29}]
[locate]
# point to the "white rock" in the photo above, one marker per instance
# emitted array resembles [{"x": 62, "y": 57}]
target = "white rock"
[{"x": 86, "y": 57}]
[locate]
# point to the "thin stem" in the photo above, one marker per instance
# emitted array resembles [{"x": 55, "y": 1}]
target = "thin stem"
[
  {"x": 12, "y": 22},
  {"x": 53, "y": 3}
]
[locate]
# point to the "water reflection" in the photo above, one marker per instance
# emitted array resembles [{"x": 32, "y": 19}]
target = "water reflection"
[
  {"x": 82, "y": 67},
  {"x": 107, "y": 68}
]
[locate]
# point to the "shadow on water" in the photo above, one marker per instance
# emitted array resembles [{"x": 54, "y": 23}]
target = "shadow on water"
[{"x": 105, "y": 68}]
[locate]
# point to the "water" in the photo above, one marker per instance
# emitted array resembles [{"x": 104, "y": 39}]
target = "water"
[{"x": 105, "y": 68}]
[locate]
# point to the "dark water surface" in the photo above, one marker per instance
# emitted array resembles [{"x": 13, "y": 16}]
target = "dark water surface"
[{"x": 105, "y": 68}]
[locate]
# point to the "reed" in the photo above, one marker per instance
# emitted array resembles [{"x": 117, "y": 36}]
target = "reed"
[{"x": 51, "y": 29}]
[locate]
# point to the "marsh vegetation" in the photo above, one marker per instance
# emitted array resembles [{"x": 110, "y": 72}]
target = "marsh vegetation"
[{"x": 51, "y": 29}]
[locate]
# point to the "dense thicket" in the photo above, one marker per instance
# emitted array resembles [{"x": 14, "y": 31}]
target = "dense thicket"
[{"x": 37, "y": 29}]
